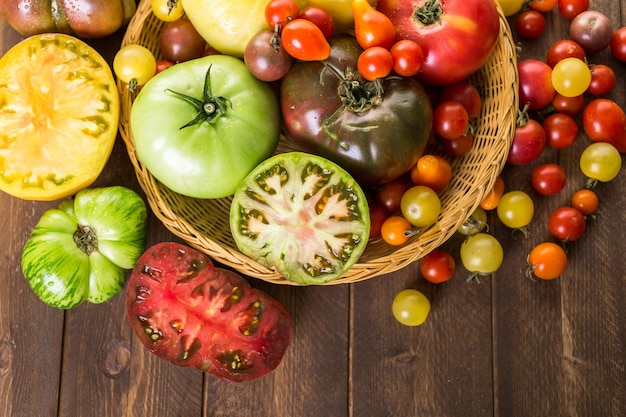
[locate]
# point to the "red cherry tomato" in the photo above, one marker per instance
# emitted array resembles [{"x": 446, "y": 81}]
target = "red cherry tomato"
[
  {"x": 530, "y": 24},
  {"x": 569, "y": 9},
  {"x": 567, "y": 224},
  {"x": 378, "y": 215},
  {"x": 564, "y": 48},
  {"x": 390, "y": 195},
  {"x": 375, "y": 62},
  {"x": 450, "y": 120},
  {"x": 321, "y": 17},
  {"x": 568, "y": 105},
  {"x": 542, "y": 6},
  {"x": 535, "y": 84},
  {"x": 528, "y": 143},
  {"x": 303, "y": 40},
  {"x": 618, "y": 44},
  {"x": 279, "y": 12},
  {"x": 408, "y": 57},
  {"x": 465, "y": 93},
  {"x": 602, "y": 80},
  {"x": 548, "y": 179},
  {"x": 437, "y": 266},
  {"x": 585, "y": 200},
  {"x": 561, "y": 130},
  {"x": 604, "y": 121},
  {"x": 459, "y": 146}
]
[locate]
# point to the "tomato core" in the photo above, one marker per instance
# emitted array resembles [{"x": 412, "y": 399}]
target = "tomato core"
[{"x": 428, "y": 14}]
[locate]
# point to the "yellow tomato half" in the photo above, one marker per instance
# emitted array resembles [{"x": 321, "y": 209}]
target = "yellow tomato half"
[{"x": 59, "y": 112}]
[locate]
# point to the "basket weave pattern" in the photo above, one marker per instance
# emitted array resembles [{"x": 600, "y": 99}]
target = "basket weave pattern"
[{"x": 204, "y": 224}]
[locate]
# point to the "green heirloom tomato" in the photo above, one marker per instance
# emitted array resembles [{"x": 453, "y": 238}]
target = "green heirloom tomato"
[
  {"x": 79, "y": 251},
  {"x": 201, "y": 126},
  {"x": 303, "y": 215}
]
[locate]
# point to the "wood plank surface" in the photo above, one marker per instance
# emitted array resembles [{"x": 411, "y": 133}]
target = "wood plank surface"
[{"x": 508, "y": 346}]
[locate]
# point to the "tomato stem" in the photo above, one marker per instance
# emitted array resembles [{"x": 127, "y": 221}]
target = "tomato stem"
[
  {"x": 429, "y": 13},
  {"x": 86, "y": 239},
  {"x": 209, "y": 109}
]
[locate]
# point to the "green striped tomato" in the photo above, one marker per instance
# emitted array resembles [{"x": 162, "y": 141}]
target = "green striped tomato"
[{"x": 80, "y": 250}]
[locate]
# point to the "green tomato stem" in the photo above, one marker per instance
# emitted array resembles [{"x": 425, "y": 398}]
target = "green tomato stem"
[{"x": 86, "y": 239}]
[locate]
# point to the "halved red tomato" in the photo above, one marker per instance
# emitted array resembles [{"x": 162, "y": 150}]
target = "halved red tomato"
[{"x": 59, "y": 111}]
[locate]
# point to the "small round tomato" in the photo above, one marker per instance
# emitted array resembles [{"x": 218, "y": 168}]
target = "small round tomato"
[
  {"x": 266, "y": 59},
  {"x": 604, "y": 120},
  {"x": 378, "y": 215},
  {"x": 601, "y": 161},
  {"x": 375, "y": 62},
  {"x": 516, "y": 209},
  {"x": 568, "y": 105},
  {"x": 481, "y": 254},
  {"x": 321, "y": 17},
  {"x": 602, "y": 80},
  {"x": 58, "y": 117},
  {"x": 279, "y": 12},
  {"x": 134, "y": 65},
  {"x": 547, "y": 261},
  {"x": 408, "y": 57},
  {"x": 564, "y": 48},
  {"x": 530, "y": 24},
  {"x": 567, "y": 224},
  {"x": 561, "y": 130},
  {"x": 571, "y": 77},
  {"x": 433, "y": 171},
  {"x": 542, "y": 6},
  {"x": 390, "y": 194},
  {"x": 396, "y": 230},
  {"x": 437, "y": 266},
  {"x": 592, "y": 29},
  {"x": 569, "y": 9},
  {"x": 421, "y": 206},
  {"x": 585, "y": 200},
  {"x": 180, "y": 41},
  {"x": 450, "y": 120},
  {"x": 529, "y": 142},
  {"x": 458, "y": 147},
  {"x": 535, "y": 84},
  {"x": 304, "y": 40},
  {"x": 548, "y": 179},
  {"x": 167, "y": 10},
  {"x": 465, "y": 93},
  {"x": 162, "y": 65},
  {"x": 618, "y": 44},
  {"x": 410, "y": 307},
  {"x": 492, "y": 198}
]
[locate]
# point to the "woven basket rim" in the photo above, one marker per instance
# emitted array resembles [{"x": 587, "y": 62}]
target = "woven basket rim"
[{"x": 479, "y": 167}]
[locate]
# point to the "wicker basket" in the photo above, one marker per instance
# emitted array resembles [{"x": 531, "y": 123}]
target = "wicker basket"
[{"x": 204, "y": 224}]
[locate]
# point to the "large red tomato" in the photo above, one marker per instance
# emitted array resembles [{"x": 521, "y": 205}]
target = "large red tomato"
[
  {"x": 191, "y": 313},
  {"x": 457, "y": 36}
]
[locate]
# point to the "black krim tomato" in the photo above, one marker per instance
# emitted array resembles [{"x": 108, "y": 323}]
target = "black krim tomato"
[
  {"x": 265, "y": 56},
  {"x": 592, "y": 29},
  {"x": 303, "y": 215},
  {"x": 193, "y": 314},
  {"x": 180, "y": 41},
  {"x": 376, "y": 130}
]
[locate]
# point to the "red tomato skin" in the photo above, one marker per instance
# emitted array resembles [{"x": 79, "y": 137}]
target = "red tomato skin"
[
  {"x": 304, "y": 40},
  {"x": 548, "y": 179},
  {"x": 375, "y": 62},
  {"x": 530, "y": 24},
  {"x": 569, "y": 9},
  {"x": 528, "y": 143},
  {"x": 438, "y": 266},
  {"x": 535, "y": 84},
  {"x": 602, "y": 80},
  {"x": 561, "y": 130},
  {"x": 567, "y": 224},
  {"x": 564, "y": 48},
  {"x": 604, "y": 121},
  {"x": 455, "y": 46},
  {"x": 321, "y": 18},
  {"x": 618, "y": 44}
]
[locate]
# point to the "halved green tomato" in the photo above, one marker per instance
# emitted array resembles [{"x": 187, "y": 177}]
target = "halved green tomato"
[
  {"x": 59, "y": 111},
  {"x": 303, "y": 215}
]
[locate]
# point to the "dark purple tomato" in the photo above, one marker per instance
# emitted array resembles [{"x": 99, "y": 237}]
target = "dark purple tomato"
[
  {"x": 180, "y": 41},
  {"x": 592, "y": 30},
  {"x": 375, "y": 130},
  {"x": 265, "y": 57}
]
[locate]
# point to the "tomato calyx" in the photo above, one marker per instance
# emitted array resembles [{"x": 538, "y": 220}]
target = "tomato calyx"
[
  {"x": 359, "y": 95},
  {"x": 86, "y": 239},
  {"x": 429, "y": 13},
  {"x": 209, "y": 109}
]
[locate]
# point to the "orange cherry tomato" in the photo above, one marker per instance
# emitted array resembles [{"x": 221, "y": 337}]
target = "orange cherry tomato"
[
  {"x": 304, "y": 40},
  {"x": 371, "y": 27},
  {"x": 547, "y": 261},
  {"x": 396, "y": 230},
  {"x": 585, "y": 200},
  {"x": 408, "y": 57},
  {"x": 433, "y": 171},
  {"x": 542, "y": 6},
  {"x": 492, "y": 198},
  {"x": 375, "y": 62}
]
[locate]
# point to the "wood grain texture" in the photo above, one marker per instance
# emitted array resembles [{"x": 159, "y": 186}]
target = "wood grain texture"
[{"x": 506, "y": 347}]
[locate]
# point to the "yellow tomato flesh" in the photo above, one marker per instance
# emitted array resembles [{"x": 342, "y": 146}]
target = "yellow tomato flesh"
[{"x": 59, "y": 112}]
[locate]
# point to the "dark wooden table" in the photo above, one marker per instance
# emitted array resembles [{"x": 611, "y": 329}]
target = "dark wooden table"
[{"x": 509, "y": 346}]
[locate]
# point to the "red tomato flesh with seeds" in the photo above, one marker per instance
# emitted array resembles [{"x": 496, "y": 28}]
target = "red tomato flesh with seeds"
[{"x": 190, "y": 313}]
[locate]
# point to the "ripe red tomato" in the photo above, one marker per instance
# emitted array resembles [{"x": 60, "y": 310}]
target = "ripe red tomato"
[
  {"x": 321, "y": 17},
  {"x": 453, "y": 48},
  {"x": 530, "y": 24},
  {"x": 378, "y": 215},
  {"x": 528, "y": 143},
  {"x": 618, "y": 44},
  {"x": 604, "y": 121},
  {"x": 304, "y": 40},
  {"x": 569, "y": 9},
  {"x": 460, "y": 146},
  {"x": 548, "y": 179},
  {"x": 542, "y": 6},
  {"x": 437, "y": 266},
  {"x": 279, "y": 12},
  {"x": 535, "y": 84},
  {"x": 408, "y": 57},
  {"x": 450, "y": 120},
  {"x": 564, "y": 48},
  {"x": 390, "y": 195},
  {"x": 602, "y": 80},
  {"x": 465, "y": 93},
  {"x": 568, "y": 105},
  {"x": 375, "y": 62},
  {"x": 193, "y": 314},
  {"x": 567, "y": 224},
  {"x": 371, "y": 27},
  {"x": 561, "y": 130}
]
